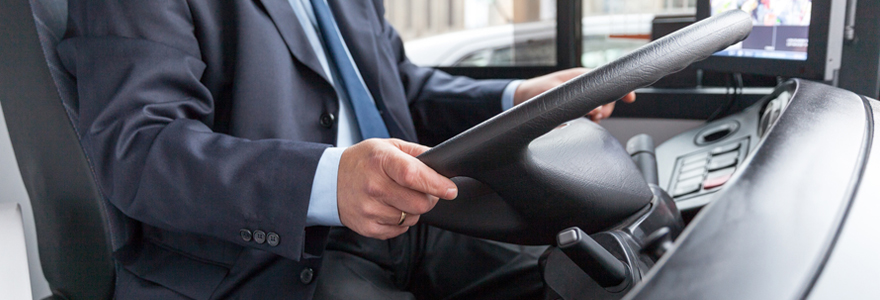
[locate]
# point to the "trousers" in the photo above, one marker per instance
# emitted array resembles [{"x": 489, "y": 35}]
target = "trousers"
[{"x": 427, "y": 263}]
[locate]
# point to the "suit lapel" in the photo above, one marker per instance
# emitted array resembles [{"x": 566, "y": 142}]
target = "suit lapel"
[
  {"x": 357, "y": 28},
  {"x": 293, "y": 34}
]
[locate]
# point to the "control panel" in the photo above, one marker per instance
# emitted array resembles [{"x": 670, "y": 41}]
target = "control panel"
[
  {"x": 694, "y": 165},
  {"x": 707, "y": 170}
]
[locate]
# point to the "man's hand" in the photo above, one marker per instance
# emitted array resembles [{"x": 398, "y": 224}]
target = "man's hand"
[
  {"x": 535, "y": 86},
  {"x": 380, "y": 178}
]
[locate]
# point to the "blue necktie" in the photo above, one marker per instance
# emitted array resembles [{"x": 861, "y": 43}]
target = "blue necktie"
[{"x": 368, "y": 119}]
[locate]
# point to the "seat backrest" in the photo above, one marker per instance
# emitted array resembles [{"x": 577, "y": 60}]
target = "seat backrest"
[{"x": 71, "y": 220}]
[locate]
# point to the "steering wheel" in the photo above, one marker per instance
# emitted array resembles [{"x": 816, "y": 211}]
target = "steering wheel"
[{"x": 523, "y": 175}]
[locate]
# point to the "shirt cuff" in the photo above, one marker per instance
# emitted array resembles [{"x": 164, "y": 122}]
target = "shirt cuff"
[
  {"x": 507, "y": 95},
  {"x": 322, "y": 202}
]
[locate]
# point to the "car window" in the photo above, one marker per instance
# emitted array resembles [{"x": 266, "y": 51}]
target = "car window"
[
  {"x": 598, "y": 51},
  {"x": 481, "y": 58},
  {"x": 512, "y": 33},
  {"x": 530, "y": 53},
  {"x": 476, "y": 33}
]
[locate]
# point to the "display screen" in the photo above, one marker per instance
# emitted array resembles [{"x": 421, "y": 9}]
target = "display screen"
[{"x": 780, "y": 28}]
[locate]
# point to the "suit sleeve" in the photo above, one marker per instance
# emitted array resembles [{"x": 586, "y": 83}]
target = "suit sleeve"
[
  {"x": 442, "y": 105},
  {"x": 145, "y": 122}
]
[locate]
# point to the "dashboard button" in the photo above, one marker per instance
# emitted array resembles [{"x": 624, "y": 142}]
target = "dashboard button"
[
  {"x": 681, "y": 190},
  {"x": 693, "y": 158},
  {"x": 722, "y": 163},
  {"x": 689, "y": 182},
  {"x": 724, "y": 156},
  {"x": 716, "y": 181},
  {"x": 691, "y": 174},
  {"x": 718, "y": 178},
  {"x": 725, "y": 148},
  {"x": 720, "y": 173},
  {"x": 694, "y": 166}
]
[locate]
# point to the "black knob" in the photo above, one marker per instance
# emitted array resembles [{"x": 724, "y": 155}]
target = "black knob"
[{"x": 657, "y": 243}]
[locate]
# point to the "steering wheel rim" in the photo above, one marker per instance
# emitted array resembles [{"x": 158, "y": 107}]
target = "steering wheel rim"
[
  {"x": 516, "y": 127},
  {"x": 500, "y": 146}
]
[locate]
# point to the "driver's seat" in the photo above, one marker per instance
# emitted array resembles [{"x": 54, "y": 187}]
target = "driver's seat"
[{"x": 39, "y": 102}]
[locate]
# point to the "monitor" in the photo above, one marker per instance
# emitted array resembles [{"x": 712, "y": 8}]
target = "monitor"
[{"x": 790, "y": 38}]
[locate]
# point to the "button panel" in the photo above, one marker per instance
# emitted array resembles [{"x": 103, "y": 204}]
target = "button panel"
[{"x": 707, "y": 170}]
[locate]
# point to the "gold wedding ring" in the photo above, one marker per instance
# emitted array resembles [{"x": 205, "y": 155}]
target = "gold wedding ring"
[{"x": 402, "y": 218}]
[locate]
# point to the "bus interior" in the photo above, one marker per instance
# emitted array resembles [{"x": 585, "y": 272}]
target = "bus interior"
[{"x": 745, "y": 169}]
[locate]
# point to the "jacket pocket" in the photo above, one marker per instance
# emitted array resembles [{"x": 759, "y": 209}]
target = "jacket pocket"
[{"x": 189, "y": 274}]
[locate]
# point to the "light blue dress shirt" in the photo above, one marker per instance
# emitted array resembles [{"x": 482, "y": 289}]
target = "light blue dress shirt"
[{"x": 322, "y": 201}]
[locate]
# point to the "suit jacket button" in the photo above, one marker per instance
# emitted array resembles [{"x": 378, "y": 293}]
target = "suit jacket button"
[
  {"x": 273, "y": 239},
  {"x": 259, "y": 236},
  {"x": 245, "y": 235},
  {"x": 327, "y": 120},
  {"x": 307, "y": 275}
]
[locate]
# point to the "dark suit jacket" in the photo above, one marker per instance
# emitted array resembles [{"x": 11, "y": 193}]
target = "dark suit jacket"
[{"x": 205, "y": 117}]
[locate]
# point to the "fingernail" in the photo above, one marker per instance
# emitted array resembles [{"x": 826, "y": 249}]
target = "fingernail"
[
  {"x": 599, "y": 116},
  {"x": 451, "y": 194}
]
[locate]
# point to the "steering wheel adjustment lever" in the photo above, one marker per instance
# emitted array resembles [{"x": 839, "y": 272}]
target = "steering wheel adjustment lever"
[
  {"x": 596, "y": 261},
  {"x": 641, "y": 148}
]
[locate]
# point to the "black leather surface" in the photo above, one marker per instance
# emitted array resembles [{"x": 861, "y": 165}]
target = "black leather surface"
[
  {"x": 765, "y": 235},
  {"x": 74, "y": 244},
  {"x": 566, "y": 178},
  {"x": 553, "y": 182}
]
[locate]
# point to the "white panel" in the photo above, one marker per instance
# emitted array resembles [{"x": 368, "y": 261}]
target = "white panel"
[
  {"x": 13, "y": 260},
  {"x": 12, "y": 191}
]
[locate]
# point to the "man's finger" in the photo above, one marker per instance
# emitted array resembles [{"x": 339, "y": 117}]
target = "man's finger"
[
  {"x": 410, "y": 201},
  {"x": 409, "y": 172},
  {"x": 412, "y": 149},
  {"x": 607, "y": 109},
  {"x": 381, "y": 213},
  {"x": 568, "y": 74},
  {"x": 384, "y": 232},
  {"x": 596, "y": 114},
  {"x": 629, "y": 98},
  {"x": 395, "y": 219},
  {"x": 410, "y": 220}
]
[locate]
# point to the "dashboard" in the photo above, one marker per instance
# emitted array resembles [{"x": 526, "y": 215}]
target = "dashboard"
[{"x": 696, "y": 164}]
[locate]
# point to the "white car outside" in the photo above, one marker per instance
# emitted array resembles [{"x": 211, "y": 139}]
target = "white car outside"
[{"x": 605, "y": 38}]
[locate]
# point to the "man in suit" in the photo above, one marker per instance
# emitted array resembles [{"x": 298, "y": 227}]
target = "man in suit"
[{"x": 216, "y": 130}]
